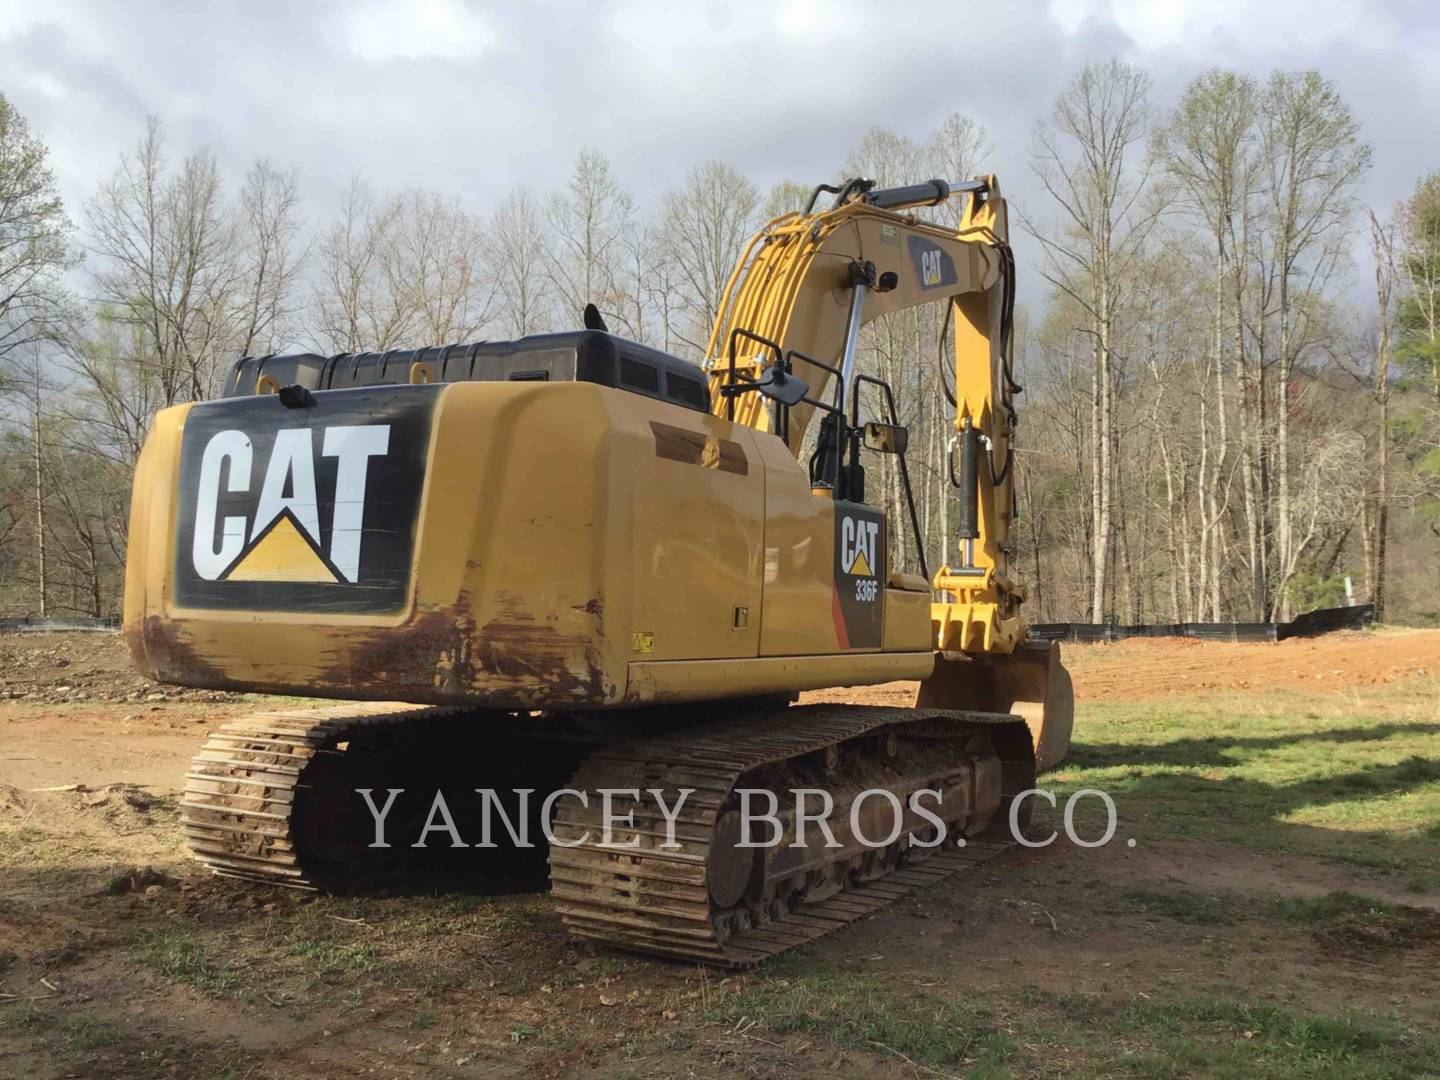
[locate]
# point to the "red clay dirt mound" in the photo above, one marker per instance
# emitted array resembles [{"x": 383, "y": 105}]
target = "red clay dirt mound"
[
  {"x": 1144, "y": 668},
  {"x": 1156, "y": 667}
]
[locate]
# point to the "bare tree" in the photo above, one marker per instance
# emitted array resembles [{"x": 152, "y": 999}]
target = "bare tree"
[
  {"x": 706, "y": 224},
  {"x": 667, "y": 290},
  {"x": 639, "y": 297},
  {"x": 587, "y": 220},
  {"x": 35, "y": 387},
  {"x": 355, "y": 303},
  {"x": 1084, "y": 156},
  {"x": 520, "y": 260},
  {"x": 1420, "y": 264},
  {"x": 786, "y": 197},
  {"x": 33, "y": 236},
  {"x": 1314, "y": 159},
  {"x": 955, "y": 153},
  {"x": 271, "y": 258},
  {"x": 405, "y": 271},
  {"x": 89, "y": 515},
  {"x": 184, "y": 283},
  {"x": 167, "y": 267},
  {"x": 1207, "y": 149},
  {"x": 887, "y": 157},
  {"x": 436, "y": 269},
  {"x": 1382, "y": 239}
]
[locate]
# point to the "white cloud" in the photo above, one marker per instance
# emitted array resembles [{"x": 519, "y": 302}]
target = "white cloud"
[
  {"x": 1196, "y": 25},
  {"x": 813, "y": 21},
  {"x": 471, "y": 99},
  {"x": 417, "y": 30}
]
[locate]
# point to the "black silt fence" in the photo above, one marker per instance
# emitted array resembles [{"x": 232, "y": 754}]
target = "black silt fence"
[
  {"x": 1311, "y": 624},
  {"x": 67, "y": 623}
]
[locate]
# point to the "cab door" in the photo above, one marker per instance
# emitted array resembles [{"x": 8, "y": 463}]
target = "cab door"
[{"x": 824, "y": 565}]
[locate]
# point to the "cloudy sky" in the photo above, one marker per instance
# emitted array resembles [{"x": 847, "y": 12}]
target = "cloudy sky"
[{"x": 472, "y": 97}]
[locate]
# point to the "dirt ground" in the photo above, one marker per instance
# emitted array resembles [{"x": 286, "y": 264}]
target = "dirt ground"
[
  {"x": 120, "y": 957},
  {"x": 1142, "y": 669}
]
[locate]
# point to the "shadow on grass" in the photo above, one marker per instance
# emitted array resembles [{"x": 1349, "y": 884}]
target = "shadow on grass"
[
  {"x": 1172, "y": 804},
  {"x": 1219, "y": 750}
]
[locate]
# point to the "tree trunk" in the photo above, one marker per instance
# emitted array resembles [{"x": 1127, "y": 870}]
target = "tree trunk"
[
  {"x": 1029, "y": 497},
  {"x": 1222, "y": 452},
  {"x": 1384, "y": 279},
  {"x": 96, "y": 598},
  {"x": 39, "y": 464},
  {"x": 1102, "y": 468},
  {"x": 1284, "y": 528}
]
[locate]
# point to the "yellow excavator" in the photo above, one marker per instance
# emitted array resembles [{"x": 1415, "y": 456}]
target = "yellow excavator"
[{"x": 598, "y": 571}]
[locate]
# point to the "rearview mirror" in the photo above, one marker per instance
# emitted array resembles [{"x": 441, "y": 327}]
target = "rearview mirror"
[
  {"x": 886, "y": 438},
  {"x": 786, "y": 389}
]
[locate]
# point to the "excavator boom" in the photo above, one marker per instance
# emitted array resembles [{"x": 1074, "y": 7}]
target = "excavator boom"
[{"x": 802, "y": 290}]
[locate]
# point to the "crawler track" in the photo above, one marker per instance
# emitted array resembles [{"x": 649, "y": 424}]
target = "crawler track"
[
  {"x": 703, "y": 901},
  {"x": 272, "y": 798},
  {"x": 241, "y": 793}
]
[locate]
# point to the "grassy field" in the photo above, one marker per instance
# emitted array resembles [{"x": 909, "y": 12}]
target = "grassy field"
[
  {"x": 1038, "y": 1032},
  {"x": 1351, "y": 780},
  {"x": 1351, "y": 777}
]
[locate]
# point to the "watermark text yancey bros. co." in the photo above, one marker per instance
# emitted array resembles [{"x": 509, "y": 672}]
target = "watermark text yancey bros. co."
[{"x": 761, "y": 823}]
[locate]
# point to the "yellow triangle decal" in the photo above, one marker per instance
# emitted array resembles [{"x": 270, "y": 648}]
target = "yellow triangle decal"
[
  {"x": 861, "y": 566},
  {"x": 283, "y": 554}
]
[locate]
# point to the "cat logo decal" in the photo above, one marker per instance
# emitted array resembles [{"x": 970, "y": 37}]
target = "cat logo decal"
[
  {"x": 314, "y": 510},
  {"x": 282, "y": 541}
]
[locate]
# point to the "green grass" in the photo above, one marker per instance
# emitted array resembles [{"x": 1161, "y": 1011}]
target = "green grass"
[
  {"x": 88, "y": 1033},
  {"x": 1351, "y": 778},
  {"x": 1194, "y": 908},
  {"x": 21, "y": 1015},
  {"x": 1342, "y": 920},
  {"x": 179, "y": 957},
  {"x": 1220, "y": 1035},
  {"x": 337, "y": 955},
  {"x": 860, "y": 1013},
  {"x": 77, "y": 1043},
  {"x": 1348, "y": 778},
  {"x": 19, "y": 838},
  {"x": 1218, "y": 1031},
  {"x": 1328, "y": 908},
  {"x": 1362, "y": 924}
]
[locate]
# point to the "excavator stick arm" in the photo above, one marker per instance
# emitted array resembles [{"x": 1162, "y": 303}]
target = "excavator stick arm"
[{"x": 796, "y": 301}]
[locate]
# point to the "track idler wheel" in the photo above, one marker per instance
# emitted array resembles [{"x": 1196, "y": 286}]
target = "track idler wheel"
[{"x": 731, "y": 868}]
